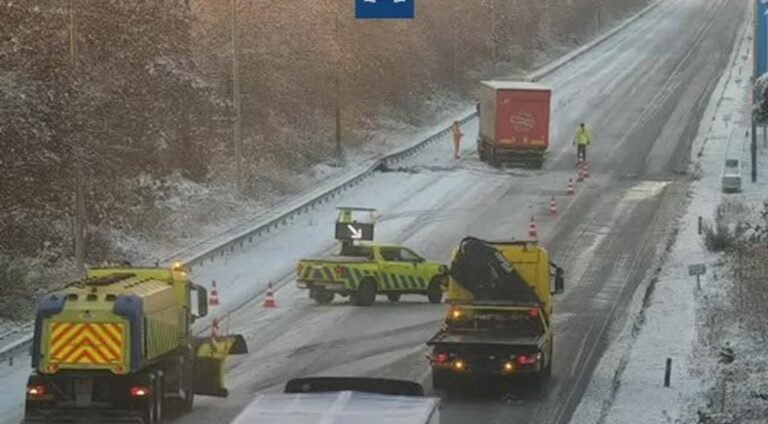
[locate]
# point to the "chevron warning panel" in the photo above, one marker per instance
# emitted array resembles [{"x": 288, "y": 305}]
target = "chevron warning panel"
[{"x": 86, "y": 343}]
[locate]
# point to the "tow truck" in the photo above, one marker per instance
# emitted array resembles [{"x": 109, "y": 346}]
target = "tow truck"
[{"x": 499, "y": 324}]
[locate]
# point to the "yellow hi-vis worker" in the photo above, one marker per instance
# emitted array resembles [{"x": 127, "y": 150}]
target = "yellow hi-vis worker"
[
  {"x": 345, "y": 217},
  {"x": 581, "y": 140}
]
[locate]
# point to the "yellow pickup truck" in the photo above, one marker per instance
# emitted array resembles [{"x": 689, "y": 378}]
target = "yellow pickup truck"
[{"x": 364, "y": 270}]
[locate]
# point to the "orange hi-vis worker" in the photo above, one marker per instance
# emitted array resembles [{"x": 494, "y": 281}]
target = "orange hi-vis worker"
[{"x": 457, "y": 134}]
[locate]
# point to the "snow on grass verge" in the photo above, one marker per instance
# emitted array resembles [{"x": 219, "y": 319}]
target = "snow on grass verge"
[{"x": 628, "y": 383}]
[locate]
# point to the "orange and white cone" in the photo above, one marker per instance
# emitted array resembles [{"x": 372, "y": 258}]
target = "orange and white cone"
[
  {"x": 586, "y": 170},
  {"x": 570, "y": 190},
  {"x": 269, "y": 299},
  {"x": 532, "y": 231},
  {"x": 581, "y": 175},
  {"x": 552, "y": 207},
  {"x": 213, "y": 300}
]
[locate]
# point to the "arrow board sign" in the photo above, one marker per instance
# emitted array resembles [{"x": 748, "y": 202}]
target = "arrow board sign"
[{"x": 354, "y": 231}]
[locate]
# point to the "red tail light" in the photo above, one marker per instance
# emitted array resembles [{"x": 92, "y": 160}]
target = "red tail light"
[
  {"x": 139, "y": 391},
  {"x": 441, "y": 358},
  {"x": 36, "y": 391},
  {"x": 526, "y": 359},
  {"x": 534, "y": 312}
]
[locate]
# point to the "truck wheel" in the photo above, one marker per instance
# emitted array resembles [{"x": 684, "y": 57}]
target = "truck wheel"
[
  {"x": 321, "y": 295},
  {"x": 435, "y": 290},
  {"x": 548, "y": 370},
  {"x": 366, "y": 293},
  {"x": 493, "y": 160},
  {"x": 189, "y": 382},
  {"x": 159, "y": 392},
  {"x": 148, "y": 406},
  {"x": 393, "y": 297}
]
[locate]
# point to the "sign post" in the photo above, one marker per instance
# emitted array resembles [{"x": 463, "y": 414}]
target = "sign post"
[{"x": 697, "y": 270}]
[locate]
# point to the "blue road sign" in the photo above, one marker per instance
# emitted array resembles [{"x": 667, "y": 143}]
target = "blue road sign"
[
  {"x": 761, "y": 37},
  {"x": 385, "y": 9}
]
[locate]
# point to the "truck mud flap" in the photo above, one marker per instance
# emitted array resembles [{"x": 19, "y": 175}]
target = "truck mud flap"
[
  {"x": 210, "y": 357},
  {"x": 209, "y": 377}
]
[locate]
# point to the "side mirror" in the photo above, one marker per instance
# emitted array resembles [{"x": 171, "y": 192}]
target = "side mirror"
[
  {"x": 202, "y": 302},
  {"x": 559, "y": 282}
]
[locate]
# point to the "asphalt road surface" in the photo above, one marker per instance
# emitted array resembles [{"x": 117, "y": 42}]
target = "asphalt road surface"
[{"x": 642, "y": 93}]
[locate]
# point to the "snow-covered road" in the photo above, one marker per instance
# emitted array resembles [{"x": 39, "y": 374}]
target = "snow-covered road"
[{"x": 643, "y": 93}]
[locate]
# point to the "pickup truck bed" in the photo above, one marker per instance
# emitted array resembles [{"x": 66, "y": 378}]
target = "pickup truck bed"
[{"x": 337, "y": 259}]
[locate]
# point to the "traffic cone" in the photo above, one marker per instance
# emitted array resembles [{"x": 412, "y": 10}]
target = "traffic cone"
[
  {"x": 552, "y": 207},
  {"x": 570, "y": 190},
  {"x": 269, "y": 299},
  {"x": 581, "y": 175},
  {"x": 213, "y": 300},
  {"x": 532, "y": 231},
  {"x": 586, "y": 170}
]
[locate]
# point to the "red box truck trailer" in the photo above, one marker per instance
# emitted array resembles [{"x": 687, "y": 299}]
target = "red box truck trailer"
[{"x": 514, "y": 122}]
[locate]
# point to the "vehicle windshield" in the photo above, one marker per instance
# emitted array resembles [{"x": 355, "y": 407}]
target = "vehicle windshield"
[
  {"x": 517, "y": 323},
  {"x": 356, "y": 251}
]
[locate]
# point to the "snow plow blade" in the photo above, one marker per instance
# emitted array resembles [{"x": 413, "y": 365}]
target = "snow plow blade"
[{"x": 210, "y": 356}]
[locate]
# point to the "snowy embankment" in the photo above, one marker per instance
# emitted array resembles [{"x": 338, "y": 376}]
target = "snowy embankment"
[{"x": 628, "y": 384}]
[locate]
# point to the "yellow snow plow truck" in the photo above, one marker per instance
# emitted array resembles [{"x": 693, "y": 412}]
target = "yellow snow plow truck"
[
  {"x": 118, "y": 346},
  {"x": 499, "y": 324}
]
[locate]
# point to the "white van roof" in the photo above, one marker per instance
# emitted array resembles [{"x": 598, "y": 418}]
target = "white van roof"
[{"x": 338, "y": 408}]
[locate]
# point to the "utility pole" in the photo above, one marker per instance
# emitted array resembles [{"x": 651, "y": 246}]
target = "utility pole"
[
  {"x": 455, "y": 46},
  {"x": 339, "y": 149},
  {"x": 237, "y": 130},
  {"x": 79, "y": 190},
  {"x": 493, "y": 33},
  {"x": 599, "y": 5}
]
